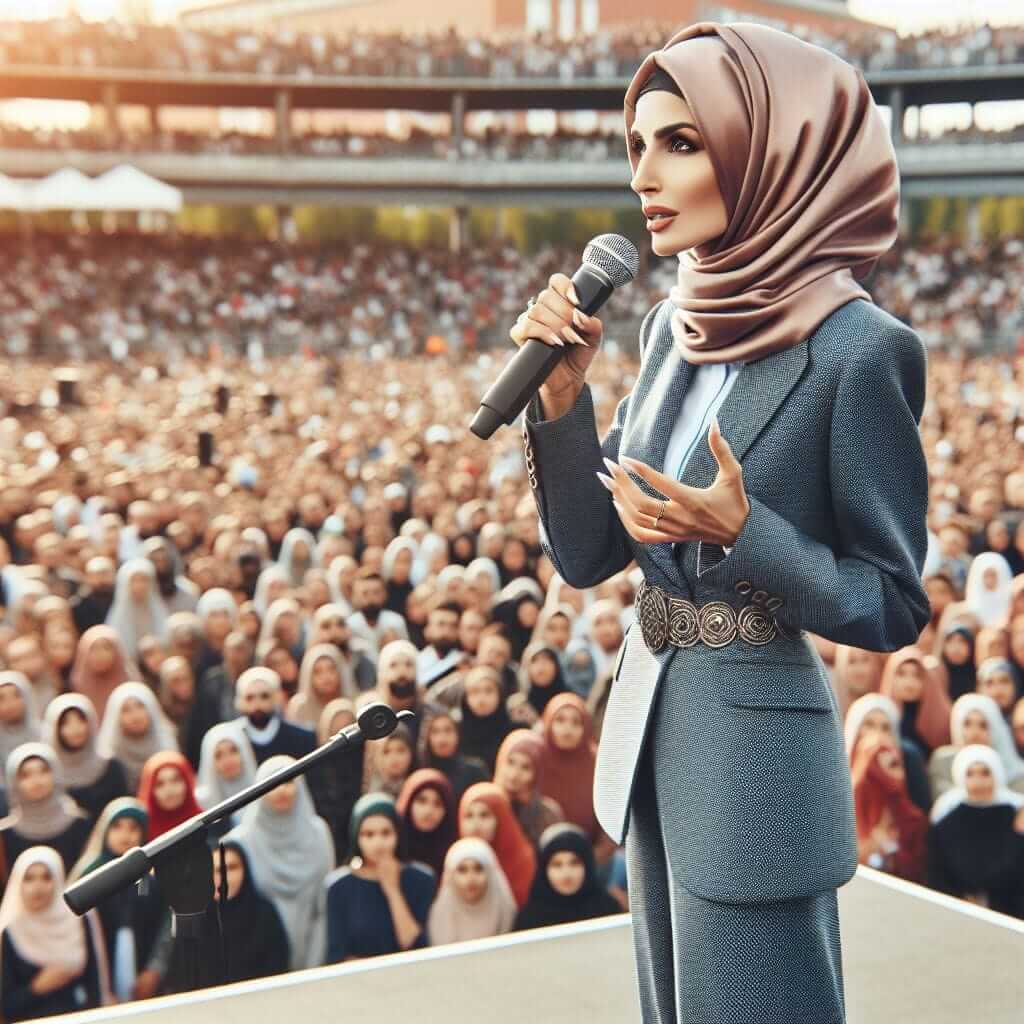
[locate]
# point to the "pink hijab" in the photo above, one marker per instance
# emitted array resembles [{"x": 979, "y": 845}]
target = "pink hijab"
[{"x": 808, "y": 175}]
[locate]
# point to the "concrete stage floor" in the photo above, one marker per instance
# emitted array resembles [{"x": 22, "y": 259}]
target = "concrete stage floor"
[{"x": 910, "y": 956}]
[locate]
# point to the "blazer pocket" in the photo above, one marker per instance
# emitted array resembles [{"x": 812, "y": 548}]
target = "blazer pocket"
[{"x": 777, "y": 684}]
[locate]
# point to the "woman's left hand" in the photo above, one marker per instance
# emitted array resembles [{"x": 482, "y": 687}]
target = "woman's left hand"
[{"x": 716, "y": 514}]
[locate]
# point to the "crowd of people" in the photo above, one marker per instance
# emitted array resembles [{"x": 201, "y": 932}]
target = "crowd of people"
[
  {"x": 75, "y": 297},
  {"x": 612, "y": 52},
  {"x": 179, "y": 622},
  {"x": 493, "y": 143}
]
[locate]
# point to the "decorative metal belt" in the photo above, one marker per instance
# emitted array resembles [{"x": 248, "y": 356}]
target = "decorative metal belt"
[{"x": 665, "y": 618}]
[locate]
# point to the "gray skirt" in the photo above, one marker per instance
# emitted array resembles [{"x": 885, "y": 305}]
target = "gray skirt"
[{"x": 699, "y": 961}]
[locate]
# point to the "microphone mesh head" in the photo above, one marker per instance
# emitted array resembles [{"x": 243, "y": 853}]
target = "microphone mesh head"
[{"x": 615, "y": 255}]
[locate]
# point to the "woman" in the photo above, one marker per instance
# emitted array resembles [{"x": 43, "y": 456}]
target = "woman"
[
  {"x": 376, "y": 904},
  {"x": 71, "y": 729},
  {"x": 227, "y": 765},
  {"x": 53, "y": 961},
  {"x": 101, "y": 665},
  {"x": 819, "y": 529},
  {"x": 335, "y": 781},
  {"x": 956, "y": 646},
  {"x": 567, "y": 762},
  {"x": 192, "y": 711},
  {"x": 254, "y": 943},
  {"x": 485, "y": 718},
  {"x": 138, "y": 610},
  {"x": 876, "y": 713},
  {"x": 134, "y": 728},
  {"x": 167, "y": 790},
  {"x": 891, "y": 830},
  {"x": 921, "y": 698},
  {"x": 136, "y": 923},
  {"x": 474, "y": 900},
  {"x": 974, "y": 850},
  {"x": 41, "y": 811},
  {"x": 519, "y": 771},
  {"x": 290, "y": 851},
  {"x": 19, "y": 722},
  {"x": 439, "y": 741},
  {"x": 389, "y": 762},
  {"x": 541, "y": 673},
  {"x": 323, "y": 677},
  {"x": 565, "y": 888},
  {"x": 429, "y": 816},
  {"x": 485, "y": 812}
]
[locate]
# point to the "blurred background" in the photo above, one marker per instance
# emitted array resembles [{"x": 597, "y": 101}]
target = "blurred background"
[{"x": 259, "y": 262}]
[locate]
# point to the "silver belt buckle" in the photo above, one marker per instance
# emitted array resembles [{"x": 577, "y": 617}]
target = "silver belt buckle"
[{"x": 665, "y": 618}]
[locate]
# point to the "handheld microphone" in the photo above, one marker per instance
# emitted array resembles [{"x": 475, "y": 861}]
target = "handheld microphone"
[{"x": 609, "y": 261}]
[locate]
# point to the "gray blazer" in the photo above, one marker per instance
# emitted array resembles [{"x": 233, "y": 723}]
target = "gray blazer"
[{"x": 827, "y": 434}]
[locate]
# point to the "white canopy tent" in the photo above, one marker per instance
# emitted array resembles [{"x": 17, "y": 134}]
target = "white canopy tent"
[
  {"x": 13, "y": 194},
  {"x": 127, "y": 188},
  {"x": 66, "y": 189}
]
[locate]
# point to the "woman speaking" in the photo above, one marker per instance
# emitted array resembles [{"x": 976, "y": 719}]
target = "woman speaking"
[{"x": 767, "y": 475}]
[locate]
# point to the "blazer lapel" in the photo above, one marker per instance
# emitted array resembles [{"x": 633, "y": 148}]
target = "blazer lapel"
[{"x": 760, "y": 389}]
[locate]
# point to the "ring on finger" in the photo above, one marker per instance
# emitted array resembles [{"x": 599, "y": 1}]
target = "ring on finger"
[{"x": 661, "y": 512}]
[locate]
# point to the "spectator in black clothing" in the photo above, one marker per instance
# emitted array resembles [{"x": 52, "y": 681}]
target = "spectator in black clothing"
[
  {"x": 92, "y": 603},
  {"x": 257, "y": 699},
  {"x": 218, "y": 683},
  {"x": 53, "y": 961}
]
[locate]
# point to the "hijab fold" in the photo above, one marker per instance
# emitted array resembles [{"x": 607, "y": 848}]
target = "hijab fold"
[{"x": 808, "y": 175}]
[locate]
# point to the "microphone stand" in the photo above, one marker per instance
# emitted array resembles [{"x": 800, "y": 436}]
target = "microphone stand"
[{"x": 182, "y": 858}]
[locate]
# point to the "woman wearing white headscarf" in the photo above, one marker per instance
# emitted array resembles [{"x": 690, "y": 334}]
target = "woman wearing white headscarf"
[
  {"x": 71, "y": 729},
  {"x": 138, "y": 609},
  {"x": 290, "y": 850},
  {"x": 18, "y": 720},
  {"x": 53, "y": 961},
  {"x": 474, "y": 899},
  {"x": 134, "y": 728},
  {"x": 271, "y": 575},
  {"x": 227, "y": 765},
  {"x": 975, "y": 845},
  {"x": 41, "y": 810},
  {"x": 319, "y": 685},
  {"x": 879, "y": 713},
  {"x": 397, "y": 577},
  {"x": 988, "y": 590},
  {"x": 431, "y": 557},
  {"x": 292, "y": 562}
]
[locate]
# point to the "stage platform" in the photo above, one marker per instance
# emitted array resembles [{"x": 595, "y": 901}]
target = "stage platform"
[{"x": 911, "y": 956}]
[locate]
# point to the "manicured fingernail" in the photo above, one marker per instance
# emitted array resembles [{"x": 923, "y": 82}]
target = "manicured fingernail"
[
  {"x": 578, "y": 319},
  {"x": 611, "y": 465},
  {"x": 557, "y": 340},
  {"x": 570, "y": 333},
  {"x": 573, "y": 297},
  {"x": 610, "y": 484}
]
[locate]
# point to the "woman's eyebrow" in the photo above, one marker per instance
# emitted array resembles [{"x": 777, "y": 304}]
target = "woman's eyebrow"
[{"x": 668, "y": 129}]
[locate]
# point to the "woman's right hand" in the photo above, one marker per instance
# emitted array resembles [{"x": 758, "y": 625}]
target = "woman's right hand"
[
  {"x": 555, "y": 320},
  {"x": 50, "y": 978}
]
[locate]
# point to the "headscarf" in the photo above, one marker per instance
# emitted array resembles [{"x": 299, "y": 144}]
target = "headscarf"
[
  {"x": 875, "y": 790},
  {"x": 538, "y": 696},
  {"x": 990, "y": 606},
  {"x": 93, "y": 685},
  {"x": 548, "y": 907},
  {"x": 931, "y": 715},
  {"x": 952, "y": 798},
  {"x": 569, "y": 774},
  {"x": 290, "y": 855},
  {"x": 481, "y": 735},
  {"x": 54, "y": 936},
  {"x": 860, "y": 709},
  {"x": 27, "y": 730},
  {"x": 217, "y": 600},
  {"x": 270, "y": 573},
  {"x": 427, "y": 847},
  {"x": 296, "y": 571},
  {"x": 211, "y": 787},
  {"x": 160, "y": 820},
  {"x": 133, "y": 621},
  {"x": 134, "y": 751},
  {"x": 96, "y": 852},
  {"x": 452, "y": 920},
  {"x": 39, "y": 819},
  {"x": 332, "y": 708},
  {"x": 306, "y": 707},
  {"x": 808, "y": 176},
  {"x": 961, "y": 679},
  {"x": 996, "y": 663},
  {"x": 1000, "y": 735},
  {"x": 513, "y": 850},
  {"x": 81, "y": 767},
  {"x": 374, "y": 779}
]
